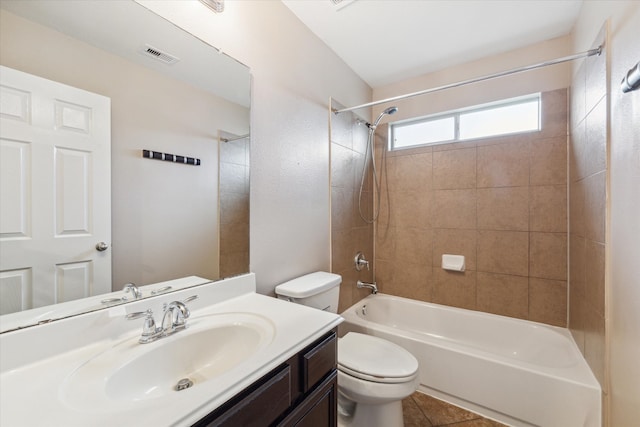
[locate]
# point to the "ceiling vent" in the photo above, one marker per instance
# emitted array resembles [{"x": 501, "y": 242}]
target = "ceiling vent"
[
  {"x": 159, "y": 55},
  {"x": 341, "y": 4}
]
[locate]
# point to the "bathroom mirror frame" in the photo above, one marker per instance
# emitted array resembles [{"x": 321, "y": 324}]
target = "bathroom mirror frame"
[{"x": 231, "y": 84}]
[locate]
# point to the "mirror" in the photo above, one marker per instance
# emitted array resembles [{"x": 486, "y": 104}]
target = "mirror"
[{"x": 169, "y": 93}]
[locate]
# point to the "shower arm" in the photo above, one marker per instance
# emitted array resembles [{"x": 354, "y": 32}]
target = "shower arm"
[{"x": 591, "y": 52}]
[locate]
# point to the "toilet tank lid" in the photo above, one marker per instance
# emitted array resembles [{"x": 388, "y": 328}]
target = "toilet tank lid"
[{"x": 308, "y": 285}]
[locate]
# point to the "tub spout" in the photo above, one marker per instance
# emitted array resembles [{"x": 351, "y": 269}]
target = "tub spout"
[{"x": 372, "y": 286}]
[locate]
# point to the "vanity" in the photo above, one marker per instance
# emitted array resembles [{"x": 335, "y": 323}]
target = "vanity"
[{"x": 246, "y": 360}]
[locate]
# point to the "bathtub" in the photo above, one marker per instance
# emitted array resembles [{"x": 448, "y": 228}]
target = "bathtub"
[{"x": 518, "y": 372}]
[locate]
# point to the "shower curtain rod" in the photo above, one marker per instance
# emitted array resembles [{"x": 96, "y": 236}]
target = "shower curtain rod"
[{"x": 591, "y": 52}]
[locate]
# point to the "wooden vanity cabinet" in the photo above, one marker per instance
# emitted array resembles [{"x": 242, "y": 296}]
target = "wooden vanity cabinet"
[{"x": 301, "y": 392}]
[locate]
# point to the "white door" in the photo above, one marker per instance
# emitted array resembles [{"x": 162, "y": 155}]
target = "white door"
[{"x": 55, "y": 184}]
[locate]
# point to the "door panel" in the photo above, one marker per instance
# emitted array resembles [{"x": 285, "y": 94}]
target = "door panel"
[{"x": 55, "y": 192}]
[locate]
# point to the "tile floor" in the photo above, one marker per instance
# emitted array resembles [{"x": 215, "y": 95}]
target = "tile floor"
[{"x": 421, "y": 410}]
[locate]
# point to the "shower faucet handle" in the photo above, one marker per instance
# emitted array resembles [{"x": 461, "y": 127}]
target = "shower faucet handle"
[{"x": 360, "y": 261}]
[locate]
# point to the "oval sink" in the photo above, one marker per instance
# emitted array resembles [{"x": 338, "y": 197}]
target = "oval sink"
[{"x": 130, "y": 372}]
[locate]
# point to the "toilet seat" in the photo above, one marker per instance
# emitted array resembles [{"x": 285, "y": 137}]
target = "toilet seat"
[{"x": 375, "y": 359}]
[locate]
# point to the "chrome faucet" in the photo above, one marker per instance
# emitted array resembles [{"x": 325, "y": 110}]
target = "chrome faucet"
[
  {"x": 131, "y": 287},
  {"x": 374, "y": 288},
  {"x": 174, "y": 319}
]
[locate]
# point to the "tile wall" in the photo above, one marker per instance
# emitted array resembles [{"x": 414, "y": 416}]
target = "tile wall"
[
  {"x": 588, "y": 195},
  {"x": 501, "y": 202},
  {"x": 234, "y": 207},
  {"x": 349, "y": 233}
]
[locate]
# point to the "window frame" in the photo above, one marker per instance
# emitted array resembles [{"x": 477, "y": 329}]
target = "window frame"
[{"x": 456, "y": 114}]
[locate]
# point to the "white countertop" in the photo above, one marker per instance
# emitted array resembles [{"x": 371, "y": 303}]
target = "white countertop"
[{"x": 35, "y": 362}]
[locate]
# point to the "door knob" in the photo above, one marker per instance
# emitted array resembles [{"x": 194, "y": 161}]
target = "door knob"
[{"x": 102, "y": 246}]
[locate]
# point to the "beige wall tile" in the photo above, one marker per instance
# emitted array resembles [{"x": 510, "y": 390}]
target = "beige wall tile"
[
  {"x": 577, "y": 319},
  {"x": 455, "y": 288},
  {"x": 549, "y": 161},
  {"x": 548, "y": 256},
  {"x": 415, "y": 282},
  {"x": 341, "y": 127},
  {"x": 548, "y": 301},
  {"x": 234, "y": 208},
  {"x": 358, "y": 170},
  {"x": 577, "y": 111},
  {"x": 594, "y": 276},
  {"x": 233, "y": 263},
  {"x": 577, "y": 265},
  {"x": 454, "y": 242},
  {"x": 577, "y": 208},
  {"x": 345, "y": 300},
  {"x": 342, "y": 166},
  {"x": 235, "y": 237},
  {"x": 410, "y": 172},
  {"x": 504, "y": 165},
  {"x": 342, "y": 249},
  {"x": 454, "y": 169},
  {"x": 410, "y": 209},
  {"x": 362, "y": 241},
  {"x": 595, "y": 149},
  {"x": 362, "y": 202},
  {"x": 594, "y": 344},
  {"x": 554, "y": 113},
  {"x": 385, "y": 243},
  {"x": 413, "y": 246},
  {"x": 503, "y": 294},
  {"x": 577, "y": 143},
  {"x": 505, "y": 208},
  {"x": 385, "y": 272},
  {"x": 548, "y": 208},
  {"x": 595, "y": 206},
  {"x": 454, "y": 209},
  {"x": 503, "y": 252},
  {"x": 342, "y": 208}
]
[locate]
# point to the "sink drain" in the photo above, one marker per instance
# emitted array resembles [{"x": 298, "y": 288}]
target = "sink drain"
[{"x": 183, "y": 384}]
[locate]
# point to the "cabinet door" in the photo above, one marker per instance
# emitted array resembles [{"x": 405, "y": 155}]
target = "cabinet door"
[
  {"x": 259, "y": 407},
  {"x": 319, "y": 409}
]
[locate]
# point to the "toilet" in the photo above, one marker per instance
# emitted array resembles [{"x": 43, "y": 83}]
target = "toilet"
[{"x": 374, "y": 375}]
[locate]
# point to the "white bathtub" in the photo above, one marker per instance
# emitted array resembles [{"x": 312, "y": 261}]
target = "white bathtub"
[{"x": 518, "y": 372}]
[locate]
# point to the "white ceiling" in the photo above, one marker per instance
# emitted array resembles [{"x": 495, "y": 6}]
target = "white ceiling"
[{"x": 386, "y": 41}]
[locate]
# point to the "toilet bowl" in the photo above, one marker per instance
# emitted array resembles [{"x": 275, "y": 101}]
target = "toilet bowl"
[{"x": 374, "y": 375}]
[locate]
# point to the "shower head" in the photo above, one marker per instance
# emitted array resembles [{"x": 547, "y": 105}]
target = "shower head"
[{"x": 390, "y": 110}]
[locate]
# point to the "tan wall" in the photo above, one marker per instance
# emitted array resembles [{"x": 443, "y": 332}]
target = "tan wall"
[
  {"x": 621, "y": 294},
  {"x": 350, "y": 234},
  {"x": 500, "y": 202}
]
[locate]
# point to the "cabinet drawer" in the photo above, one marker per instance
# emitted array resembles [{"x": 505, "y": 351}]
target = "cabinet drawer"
[
  {"x": 262, "y": 406},
  {"x": 318, "y": 361}
]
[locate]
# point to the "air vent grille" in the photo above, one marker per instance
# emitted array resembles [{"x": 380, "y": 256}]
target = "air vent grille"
[{"x": 159, "y": 55}]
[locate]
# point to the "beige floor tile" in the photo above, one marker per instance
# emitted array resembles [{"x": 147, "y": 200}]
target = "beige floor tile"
[{"x": 440, "y": 412}]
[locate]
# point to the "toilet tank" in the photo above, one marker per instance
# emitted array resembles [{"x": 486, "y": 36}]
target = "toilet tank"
[{"x": 318, "y": 290}]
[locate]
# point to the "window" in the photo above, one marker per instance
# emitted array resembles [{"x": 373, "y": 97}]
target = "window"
[{"x": 501, "y": 118}]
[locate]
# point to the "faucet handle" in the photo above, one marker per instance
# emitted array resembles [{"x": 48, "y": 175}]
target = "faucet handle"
[
  {"x": 189, "y": 299},
  {"x": 360, "y": 261},
  {"x": 149, "y": 329}
]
